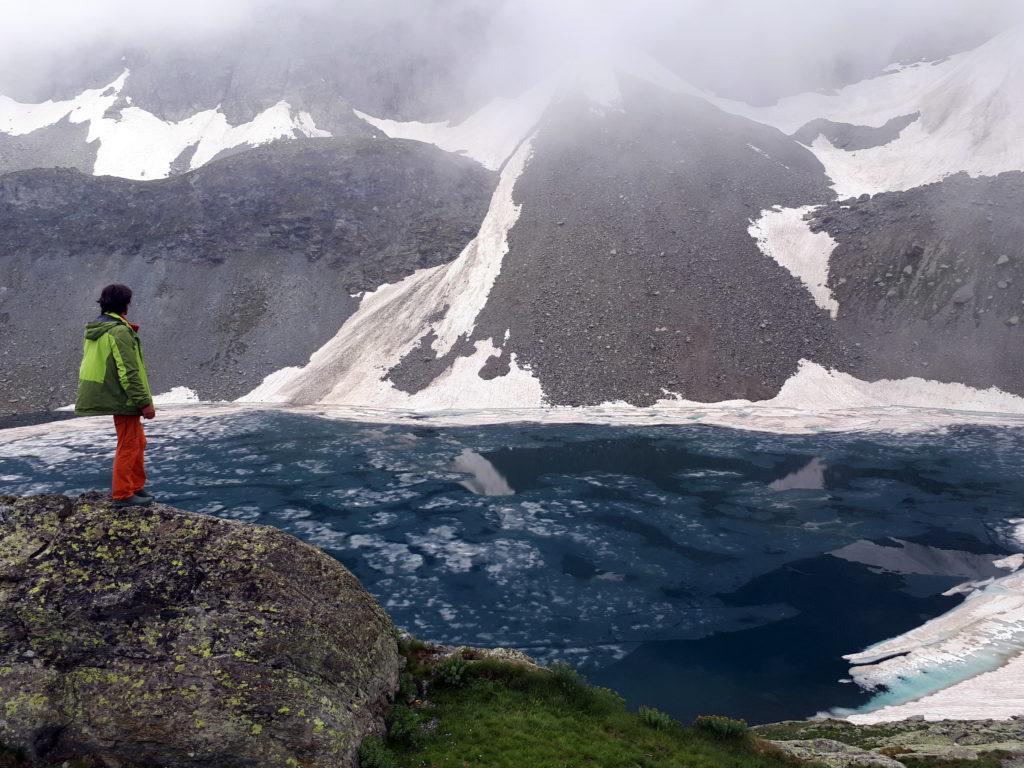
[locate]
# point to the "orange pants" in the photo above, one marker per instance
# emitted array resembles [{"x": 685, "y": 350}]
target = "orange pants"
[{"x": 129, "y": 473}]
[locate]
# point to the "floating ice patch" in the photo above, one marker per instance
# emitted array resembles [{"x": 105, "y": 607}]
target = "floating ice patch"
[{"x": 954, "y": 665}]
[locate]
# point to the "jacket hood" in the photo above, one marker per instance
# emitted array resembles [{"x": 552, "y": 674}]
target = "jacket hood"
[{"x": 102, "y": 324}]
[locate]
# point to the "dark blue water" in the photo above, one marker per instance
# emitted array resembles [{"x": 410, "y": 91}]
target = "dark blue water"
[{"x": 694, "y": 569}]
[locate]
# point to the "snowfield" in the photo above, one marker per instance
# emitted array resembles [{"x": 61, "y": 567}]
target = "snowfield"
[
  {"x": 490, "y": 135},
  {"x": 136, "y": 144},
  {"x": 971, "y": 119}
]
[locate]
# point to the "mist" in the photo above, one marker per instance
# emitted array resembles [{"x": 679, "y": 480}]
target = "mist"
[{"x": 756, "y": 50}]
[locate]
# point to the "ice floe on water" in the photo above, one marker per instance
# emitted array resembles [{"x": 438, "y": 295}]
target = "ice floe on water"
[
  {"x": 592, "y": 543},
  {"x": 965, "y": 664}
]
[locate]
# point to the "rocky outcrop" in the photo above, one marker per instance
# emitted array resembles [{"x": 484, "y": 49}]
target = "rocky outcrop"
[
  {"x": 835, "y": 754},
  {"x": 153, "y": 636},
  {"x": 841, "y": 743}
]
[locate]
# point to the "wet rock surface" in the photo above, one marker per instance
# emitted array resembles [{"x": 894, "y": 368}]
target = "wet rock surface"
[
  {"x": 157, "y": 637},
  {"x": 239, "y": 269},
  {"x": 929, "y": 281}
]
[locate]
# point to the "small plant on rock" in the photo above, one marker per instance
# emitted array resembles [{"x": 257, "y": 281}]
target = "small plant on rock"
[
  {"x": 722, "y": 727},
  {"x": 453, "y": 671},
  {"x": 655, "y": 718}
]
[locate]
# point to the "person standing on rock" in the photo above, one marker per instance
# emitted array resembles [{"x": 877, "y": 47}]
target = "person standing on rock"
[{"x": 112, "y": 382}]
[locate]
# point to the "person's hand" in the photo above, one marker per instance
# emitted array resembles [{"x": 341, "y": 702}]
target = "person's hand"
[{"x": 149, "y": 412}]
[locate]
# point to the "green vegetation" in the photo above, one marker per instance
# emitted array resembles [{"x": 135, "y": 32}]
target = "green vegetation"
[
  {"x": 452, "y": 671},
  {"x": 497, "y": 713},
  {"x": 838, "y": 730},
  {"x": 722, "y": 727},
  {"x": 655, "y": 718}
]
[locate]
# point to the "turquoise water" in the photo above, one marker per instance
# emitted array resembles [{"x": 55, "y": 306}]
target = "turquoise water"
[{"x": 694, "y": 569}]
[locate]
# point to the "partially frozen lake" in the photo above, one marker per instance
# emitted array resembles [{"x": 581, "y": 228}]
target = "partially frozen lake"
[{"x": 693, "y": 568}]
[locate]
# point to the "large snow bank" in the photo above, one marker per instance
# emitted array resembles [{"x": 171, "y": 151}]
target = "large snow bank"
[
  {"x": 136, "y": 144},
  {"x": 391, "y": 321},
  {"x": 971, "y": 119}
]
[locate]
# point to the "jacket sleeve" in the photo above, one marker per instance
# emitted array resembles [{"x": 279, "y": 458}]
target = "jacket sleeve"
[{"x": 127, "y": 358}]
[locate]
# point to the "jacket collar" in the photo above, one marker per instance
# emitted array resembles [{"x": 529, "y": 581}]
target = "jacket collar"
[{"x": 121, "y": 318}]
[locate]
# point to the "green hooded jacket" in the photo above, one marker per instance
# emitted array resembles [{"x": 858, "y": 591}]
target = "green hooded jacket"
[{"x": 112, "y": 378}]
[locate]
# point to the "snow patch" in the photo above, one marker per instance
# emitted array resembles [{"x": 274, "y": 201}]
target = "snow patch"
[
  {"x": 140, "y": 145},
  {"x": 176, "y": 396},
  {"x": 136, "y": 144},
  {"x": 971, "y": 119},
  {"x": 173, "y": 396},
  {"x": 784, "y": 235},
  {"x": 815, "y": 388},
  {"x": 18, "y": 119},
  {"x": 391, "y": 321},
  {"x": 813, "y": 400},
  {"x": 599, "y": 85},
  {"x": 490, "y": 135}
]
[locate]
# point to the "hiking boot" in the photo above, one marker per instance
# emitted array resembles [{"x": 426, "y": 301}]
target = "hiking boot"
[
  {"x": 134, "y": 501},
  {"x": 143, "y": 493}
]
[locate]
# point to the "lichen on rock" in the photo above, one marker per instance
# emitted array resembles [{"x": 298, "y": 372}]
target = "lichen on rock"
[{"x": 156, "y": 636}]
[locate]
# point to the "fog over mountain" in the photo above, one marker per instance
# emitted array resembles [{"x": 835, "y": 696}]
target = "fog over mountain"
[{"x": 523, "y": 204}]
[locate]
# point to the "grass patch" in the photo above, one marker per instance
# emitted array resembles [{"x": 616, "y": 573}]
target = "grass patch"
[
  {"x": 503, "y": 714},
  {"x": 869, "y": 737}
]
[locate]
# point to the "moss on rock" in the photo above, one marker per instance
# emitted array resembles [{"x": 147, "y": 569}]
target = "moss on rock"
[{"x": 154, "y": 636}]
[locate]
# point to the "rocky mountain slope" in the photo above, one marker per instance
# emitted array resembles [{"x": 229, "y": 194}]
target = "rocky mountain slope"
[
  {"x": 243, "y": 267},
  {"x": 644, "y": 245},
  {"x": 645, "y": 240}
]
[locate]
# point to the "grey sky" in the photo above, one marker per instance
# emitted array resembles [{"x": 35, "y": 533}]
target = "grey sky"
[{"x": 748, "y": 47}]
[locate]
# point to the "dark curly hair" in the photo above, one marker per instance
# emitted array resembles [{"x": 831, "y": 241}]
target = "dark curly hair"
[{"x": 115, "y": 298}]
